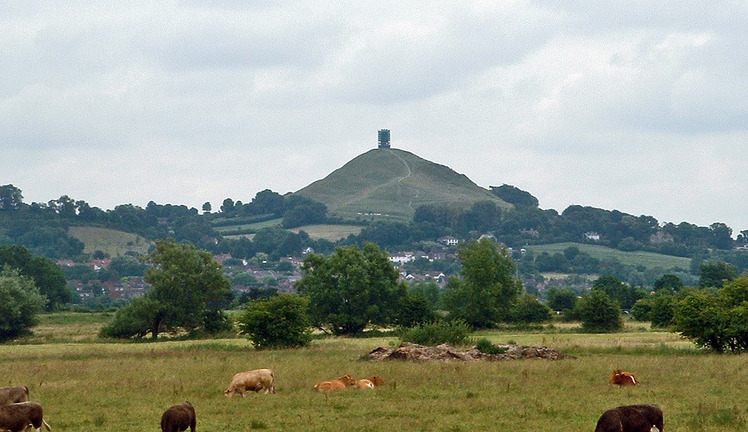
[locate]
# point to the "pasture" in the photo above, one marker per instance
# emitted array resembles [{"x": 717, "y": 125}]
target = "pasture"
[
  {"x": 637, "y": 258},
  {"x": 88, "y": 384},
  {"x": 329, "y": 232},
  {"x": 111, "y": 241}
]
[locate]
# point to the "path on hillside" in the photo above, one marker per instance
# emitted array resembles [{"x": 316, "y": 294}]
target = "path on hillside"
[
  {"x": 368, "y": 191},
  {"x": 400, "y": 180}
]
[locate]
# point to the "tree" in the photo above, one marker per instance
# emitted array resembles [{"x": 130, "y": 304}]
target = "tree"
[
  {"x": 515, "y": 195},
  {"x": 716, "y": 273},
  {"x": 207, "y": 207},
  {"x": 47, "y": 275},
  {"x": 184, "y": 282},
  {"x": 351, "y": 289},
  {"x": 598, "y": 312},
  {"x": 717, "y": 322},
  {"x": 530, "y": 310},
  {"x": 625, "y": 294},
  {"x": 488, "y": 290},
  {"x": 668, "y": 282},
  {"x": 20, "y": 302},
  {"x": 227, "y": 206},
  {"x": 561, "y": 299},
  {"x": 10, "y": 197},
  {"x": 415, "y": 309},
  {"x": 277, "y": 322}
]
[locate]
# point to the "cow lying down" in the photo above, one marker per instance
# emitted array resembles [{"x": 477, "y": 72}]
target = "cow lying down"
[
  {"x": 9, "y": 395},
  {"x": 178, "y": 418},
  {"x": 369, "y": 383},
  {"x": 341, "y": 383},
  {"x": 623, "y": 378},
  {"x": 631, "y": 418},
  {"x": 254, "y": 380},
  {"x": 19, "y": 416}
]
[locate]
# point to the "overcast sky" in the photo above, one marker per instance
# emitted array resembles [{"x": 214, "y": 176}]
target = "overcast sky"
[{"x": 637, "y": 106}]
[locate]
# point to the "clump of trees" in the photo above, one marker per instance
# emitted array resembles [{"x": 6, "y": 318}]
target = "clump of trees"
[
  {"x": 351, "y": 289},
  {"x": 187, "y": 288},
  {"x": 44, "y": 273},
  {"x": 717, "y": 321},
  {"x": 486, "y": 294}
]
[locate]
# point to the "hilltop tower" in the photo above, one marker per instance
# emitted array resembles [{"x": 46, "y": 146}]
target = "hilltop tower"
[{"x": 384, "y": 138}]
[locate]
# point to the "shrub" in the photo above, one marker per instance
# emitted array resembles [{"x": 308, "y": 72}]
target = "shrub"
[
  {"x": 529, "y": 310},
  {"x": 277, "y": 322},
  {"x": 486, "y": 347},
  {"x": 21, "y": 302},
  {"x": 437, "y": 332},
  {"x": 598, "y": 312},
  {"x": 216, "y": 321}
]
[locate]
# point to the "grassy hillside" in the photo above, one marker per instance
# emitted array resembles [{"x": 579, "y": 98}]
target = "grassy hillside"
[
  {"x": 110, "y": 241},
  {"x": 647, "y": 259},
  {"x": 391, "y": 183},
  {"x": 97, "y": 385},
  {"x": 329, "y": 232}
]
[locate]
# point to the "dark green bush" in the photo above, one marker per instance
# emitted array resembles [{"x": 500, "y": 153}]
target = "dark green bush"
[{"x": 277, "y": 322}]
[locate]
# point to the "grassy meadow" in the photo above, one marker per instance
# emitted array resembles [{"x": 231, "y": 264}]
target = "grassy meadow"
[{"x": 88, "y": 384}]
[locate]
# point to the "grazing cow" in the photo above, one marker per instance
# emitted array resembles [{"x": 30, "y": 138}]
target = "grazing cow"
[
  {"x": 178, "y": 418},
  {"x": 631, "y": 418},
  {"x": 341, "y": 383},
  {"x": 254, "y": 380},
  {"x": 19, "y": 416},
  {"x": 369, "y": 383},
  {"x": 623, "y": 378},
  {"x": 9, "y": 395}
]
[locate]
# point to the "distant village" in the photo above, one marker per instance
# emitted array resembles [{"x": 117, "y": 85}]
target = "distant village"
[{"x": 267, "y": 275}]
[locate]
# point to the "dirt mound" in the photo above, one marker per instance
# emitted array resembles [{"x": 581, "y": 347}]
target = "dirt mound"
[{"x": 446, "y": 353}]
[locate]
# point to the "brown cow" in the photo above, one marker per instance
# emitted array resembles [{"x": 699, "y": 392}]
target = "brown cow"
[
  {"x": 631, "y": 418},
  {"x": 623, "y": 378},
  {"x": 341, "y": 383},
  {"x": 254, "y": 380},
  {"x": 19, "y": 416},
  {"x": 9, "y": 395},
  {"x": 369, "y": 383},
  {"x": 178, "y": 418}
]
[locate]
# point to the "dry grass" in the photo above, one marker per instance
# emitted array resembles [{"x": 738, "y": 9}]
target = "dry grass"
[{"x": 126, "y": 386}]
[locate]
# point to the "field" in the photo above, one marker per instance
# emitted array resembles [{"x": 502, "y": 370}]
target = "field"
[
  {"x": 88, "y": 384},
  {"x": 647, "y": 259},
  {"x": 329, "y": 232},
  {"x": 110, "y": 241}
]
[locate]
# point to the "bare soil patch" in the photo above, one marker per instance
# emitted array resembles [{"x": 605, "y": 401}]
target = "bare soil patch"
[{"x": 447, "y": 353}]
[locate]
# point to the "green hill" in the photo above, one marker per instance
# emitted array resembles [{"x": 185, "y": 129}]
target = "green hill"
[{"x": 391, "y": 184}]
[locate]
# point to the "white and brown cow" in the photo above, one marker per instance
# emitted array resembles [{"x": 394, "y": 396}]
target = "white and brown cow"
[
  {"x": 369, "y": 383},
  {"x": 254, "y": 380},
  {"x": 17, "y": 417},
  {"x": 620, "y": 377}
]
